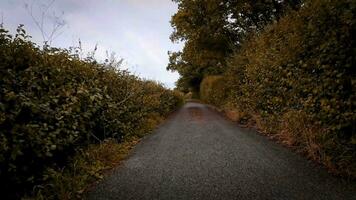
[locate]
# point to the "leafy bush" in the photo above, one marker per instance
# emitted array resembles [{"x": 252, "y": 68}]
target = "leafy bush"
[
  {"x": 52, "y": 103},
  {"x": 212, "y": 90},
  {"x": 304, "y": 63}
]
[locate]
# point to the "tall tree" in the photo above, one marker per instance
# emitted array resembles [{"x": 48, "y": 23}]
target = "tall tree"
[
  {"x": 253, "y": 15},
  {"x": 212, "y": 30},
  {"x": 201, "y": 25}
]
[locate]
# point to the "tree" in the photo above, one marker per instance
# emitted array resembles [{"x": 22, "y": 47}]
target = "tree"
[
  {"x": 212, "y": 30},
  {"x": 201, "y": 25},
  {"x": 253, "y": 15}
]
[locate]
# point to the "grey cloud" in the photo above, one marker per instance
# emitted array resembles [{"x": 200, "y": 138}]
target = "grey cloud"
[{"x": 137, "y": 30}]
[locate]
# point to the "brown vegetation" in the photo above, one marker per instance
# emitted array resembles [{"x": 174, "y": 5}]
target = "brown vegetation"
[{"x": 296, "y": 81}]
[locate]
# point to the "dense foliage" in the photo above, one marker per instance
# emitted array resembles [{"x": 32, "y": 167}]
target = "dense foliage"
[
  {"x": 213, "y": 89},
  {"x": 212, "y": 30},
  {"x": 296, "y": 79},
  {"x": 52, "y": 103}
]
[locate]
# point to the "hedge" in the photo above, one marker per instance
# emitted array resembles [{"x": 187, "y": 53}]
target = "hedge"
[
  {"x": 52, "y": 103},
  {"x": 212, "y": 89},
  {"x": 302, "y": 69}
]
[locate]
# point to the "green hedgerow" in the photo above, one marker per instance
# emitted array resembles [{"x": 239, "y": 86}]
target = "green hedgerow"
[{"x": 52, "y": 103}]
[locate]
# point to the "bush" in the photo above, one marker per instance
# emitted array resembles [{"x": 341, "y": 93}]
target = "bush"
[
  {"x": 303, "y": 64},
  {"x": 52, "y": 103},
  {"x": 213, "y": 90}
]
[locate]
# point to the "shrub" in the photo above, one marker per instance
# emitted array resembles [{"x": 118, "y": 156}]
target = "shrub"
[
  {"x": 52, "y": 103},
  {"x": 212, "y": 89},
  {"x": 303, "y": 64}
]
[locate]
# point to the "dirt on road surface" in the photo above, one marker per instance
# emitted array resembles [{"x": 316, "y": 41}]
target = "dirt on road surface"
[{"x": 198, "y": 154}]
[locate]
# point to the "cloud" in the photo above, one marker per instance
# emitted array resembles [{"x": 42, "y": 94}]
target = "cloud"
[
  {"x": 137, "y": 30},
  {"x": 150, "y": 47},
  {"x": 148, "y": 2}
]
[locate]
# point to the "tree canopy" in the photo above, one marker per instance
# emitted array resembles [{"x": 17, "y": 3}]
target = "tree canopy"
[{"x": 212, "y": 30}]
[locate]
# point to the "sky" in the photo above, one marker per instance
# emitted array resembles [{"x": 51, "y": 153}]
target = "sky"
[{"x": 135, "y": 30}]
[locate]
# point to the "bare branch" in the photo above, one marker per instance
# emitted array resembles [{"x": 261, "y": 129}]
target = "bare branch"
[
  {"x": 2, "y": 19},
  {"x": 58, "y": 22}
]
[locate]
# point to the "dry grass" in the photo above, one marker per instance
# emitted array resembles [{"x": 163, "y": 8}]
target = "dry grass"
[
  {"x": 294, "y": 130},
  {"x": 233, "y": 115},
  {"x": 297, "y": 130},
  {"x": 86, "y": 167}
]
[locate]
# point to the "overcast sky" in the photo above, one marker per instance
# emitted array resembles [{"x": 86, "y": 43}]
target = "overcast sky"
[{"x": 136, "y": 30}]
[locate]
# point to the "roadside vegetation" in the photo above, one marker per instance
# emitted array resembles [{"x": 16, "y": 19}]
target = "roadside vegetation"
[
  {"x": 285, "y": 67},
  {"x": 65, "y": 120}
]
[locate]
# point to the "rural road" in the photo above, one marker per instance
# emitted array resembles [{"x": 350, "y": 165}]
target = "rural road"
[{"x": 198, "y": 154}]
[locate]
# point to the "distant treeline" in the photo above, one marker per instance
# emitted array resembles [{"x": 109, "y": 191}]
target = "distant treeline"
[{"x": 286, "y": 66}]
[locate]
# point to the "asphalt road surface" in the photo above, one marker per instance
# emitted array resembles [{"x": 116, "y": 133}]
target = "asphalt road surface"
[{"x": 198, "y": 154}]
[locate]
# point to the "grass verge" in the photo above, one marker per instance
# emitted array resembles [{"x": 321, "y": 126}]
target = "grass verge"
[
  {"x": 295, "y": 131},
  {"x": 85, "y": 168}
]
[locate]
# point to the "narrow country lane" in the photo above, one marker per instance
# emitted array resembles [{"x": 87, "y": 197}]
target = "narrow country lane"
[{"x": 197, "y": 154}]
